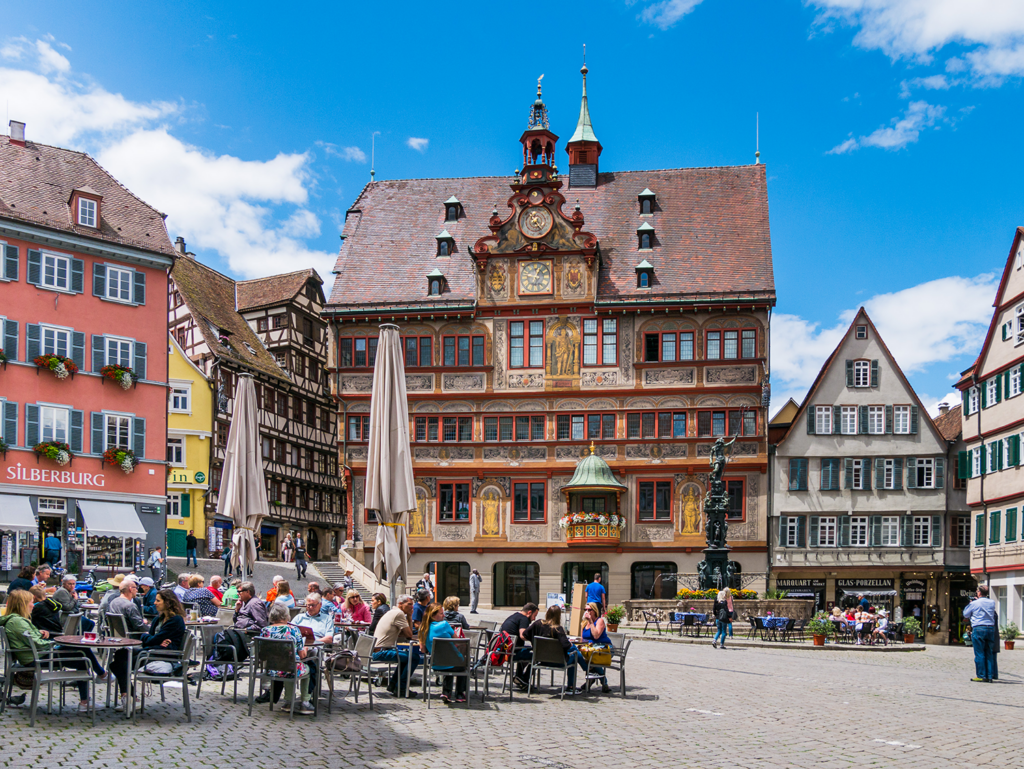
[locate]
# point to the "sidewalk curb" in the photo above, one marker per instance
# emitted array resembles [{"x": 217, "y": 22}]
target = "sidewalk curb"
[{"x": 803, "y": 646}]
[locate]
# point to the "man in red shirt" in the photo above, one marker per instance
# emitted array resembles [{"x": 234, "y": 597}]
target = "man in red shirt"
[{"x": 215, "y": 587}]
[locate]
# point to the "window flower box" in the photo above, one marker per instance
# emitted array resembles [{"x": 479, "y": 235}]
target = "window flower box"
[
  {"x": 123, "y": 458},
  {"x": 3, "y": 360},
  {"x": 123, "y": 375},
  {"x": 61, "y": 367},
  {"x": 55, "y": 450}
]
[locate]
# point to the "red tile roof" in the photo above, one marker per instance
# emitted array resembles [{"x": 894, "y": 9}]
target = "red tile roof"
[
  {"x": 273, "y": 289},
  {"x": 950, "y": 425},
  {"x": 36, "y": 182},
  {"x": 711, "y": 234}
]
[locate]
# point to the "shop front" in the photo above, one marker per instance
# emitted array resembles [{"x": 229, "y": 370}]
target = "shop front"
[
  {"x": 962, "y": 590},
  {"x": 804, "y": 588},
  {"x": 880, "y": 592}
]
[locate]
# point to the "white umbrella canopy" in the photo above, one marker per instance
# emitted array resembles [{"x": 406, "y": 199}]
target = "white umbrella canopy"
[
  {"x": 389, "y": 481},
  {"x": 243, "y": 491}
]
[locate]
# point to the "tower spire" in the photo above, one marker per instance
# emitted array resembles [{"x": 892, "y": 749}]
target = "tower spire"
[
  {"x": 584, "y": 149},
  {"x": 584, "y": 128}
]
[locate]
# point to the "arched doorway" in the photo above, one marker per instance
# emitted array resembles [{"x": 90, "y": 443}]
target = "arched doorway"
[{"x": 312, "y": 545}]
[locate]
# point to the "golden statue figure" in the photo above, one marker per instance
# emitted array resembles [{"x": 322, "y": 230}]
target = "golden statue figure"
[
  {"x": 417, "y": 527},
  {"x": 490, "y": 505},
  {"x": 691, "y": 511},
  {"x": 562, "y": 350}
]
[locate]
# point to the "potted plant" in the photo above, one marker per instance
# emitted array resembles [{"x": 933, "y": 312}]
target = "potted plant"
[
  {"x": 123, "y": 458},
  {"x": 614, "y": 616},
  {"x": 1008, "y": 633},
  {"x": 3, "y": 360},
  {"x": 819, "y": 627},
  {"x": 123, "y": 375},
  {"x": 911, "y": 629},
  {"x": 55, "y": 450},
  {"x": 61, "y": 367}
]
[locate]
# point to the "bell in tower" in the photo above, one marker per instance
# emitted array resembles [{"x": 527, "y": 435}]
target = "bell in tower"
[{"x": 538, "y": 143}]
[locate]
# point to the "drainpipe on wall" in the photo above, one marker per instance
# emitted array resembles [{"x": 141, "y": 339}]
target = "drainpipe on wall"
[{"x": 981, "y": 490}]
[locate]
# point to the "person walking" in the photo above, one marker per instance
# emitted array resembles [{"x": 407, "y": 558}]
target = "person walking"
[
  {"x": 191, "y": 543},
  {"x": 300, "y": 556},
  {"x": 287, "y": 548},
  {"x": 722, "y": 609},
  {"x": 474, "y": 590},
  {"x": 52, "y": 548},
  {"x": 982, "y": 614},
  {"x": 156, "y": 565},
  {"x": 597, "y": 594},
  {"x": 226, "y": 557}
]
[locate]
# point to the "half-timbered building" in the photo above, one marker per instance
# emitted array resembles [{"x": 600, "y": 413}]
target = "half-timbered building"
[
  {"x": 541, "y": 314},
  {"x": 270, "y": 328}
]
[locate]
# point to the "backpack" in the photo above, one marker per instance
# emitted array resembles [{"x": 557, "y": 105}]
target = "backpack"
[
  {"x": 501, "y": 648},
  {"x": 225, "y": 641}
]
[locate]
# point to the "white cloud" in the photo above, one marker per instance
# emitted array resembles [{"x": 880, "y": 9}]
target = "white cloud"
[
  {"x": 925, "y": 324},
  {"x": 418, "y": 144},
  {"x": 666, "y": 13},
  {"x": 351, "y": 154},
  {"x": 918, "y": 29},
  {"x": 904, "y": 130},
  {"x": 252, "y": 213},
  {"x": 931, "y": 403}
]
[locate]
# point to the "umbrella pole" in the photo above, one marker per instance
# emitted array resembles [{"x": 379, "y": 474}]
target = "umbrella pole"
[{"x": 392, "y": 583}]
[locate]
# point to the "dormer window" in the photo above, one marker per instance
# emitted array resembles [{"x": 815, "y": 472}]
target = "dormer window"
[
  {"x": 644, "y": 274},
  {"x": 87, "y": 212},
  {"x": 435, "y": 283},
  {"x": 445, "y": 243},
  {"x": 452, "y": 208},
  {"x": 85, "y": 207},
  {"x": 645, "y": 236},
  {"x": 647, "y": 200}
]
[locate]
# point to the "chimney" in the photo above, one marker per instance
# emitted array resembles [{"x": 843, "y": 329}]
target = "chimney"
[
  {"x": 943, "y": 408},
  {"x": 17, "y": 133},
  {"x": 179, "y": 245}
]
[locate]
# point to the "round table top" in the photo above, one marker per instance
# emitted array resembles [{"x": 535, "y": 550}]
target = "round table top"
[
  {"x": 111, "y": 643},
  {"x": 201, "y": 622}
]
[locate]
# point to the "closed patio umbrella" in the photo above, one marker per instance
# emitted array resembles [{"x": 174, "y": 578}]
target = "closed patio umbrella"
[
  {"x": 389, "y": 482},
  {"x": 243, "y": 491}
]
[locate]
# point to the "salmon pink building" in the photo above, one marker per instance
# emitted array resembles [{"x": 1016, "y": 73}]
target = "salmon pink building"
[{"x": 83, "y": 375}]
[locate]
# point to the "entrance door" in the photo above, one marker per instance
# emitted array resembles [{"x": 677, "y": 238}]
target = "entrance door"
[
  {"x": 452, "y": 579},
  {"x": 176, "y": 543},
  {"x": 51, "y": 526},
  {"x": 312, "y": 546},
  {"x": 582, "y": 571}
]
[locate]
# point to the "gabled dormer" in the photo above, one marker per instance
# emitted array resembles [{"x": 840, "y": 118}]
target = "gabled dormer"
[
  {"x": 85, "y": 204},
  {"x": 436, "y": 282},
  {"x": 647, "y": 201},
  {"x": 445, "y": 243},
  {"x": 645, "y": 236},
  {"x": 452, "y": 209},
  {"x": 644, "y": 274}
]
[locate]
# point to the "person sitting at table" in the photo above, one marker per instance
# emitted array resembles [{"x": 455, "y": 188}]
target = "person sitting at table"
[
  {"x": 46, "y": 616},
  {"x": 329, "y": 600},
  {"x": 313, "y": 587},
  {"x": 216, "y": 587},
  {"x": 881, "y": 624},
  {"x": 231, "y": 594},
  {"x": 595, "y": 633},
  {"x": 24, "y": 579},
  {"x": 322, "y": 625},
  {"x": 18, "y": 625},
  {"x": 280, "y": 628},
  {"x": 69, "y": 602},
  {"x": 167, "y": 632},
  {"x": 250, "y": 611},
  {"x": 284, "y": 594},
  {"x": 272, "y": 593},
  {"x": 354, "y": 610},
  {"x": 515, "y": 625},
  {"x": 197, "y": 594},
  {"x": 396, "y": 626},
  {"x": 42, "y": 574},
  {"x": 423, "y": 598},
  {"x": 452, "y": 613},
  {"x": 551, "y": 627},
  {"x": 147, "y": 589},
  {"x": 379, "y": 607},
  {"x": 125, "y": 605},
  {"x": 38, "y": 594},
  {"x": 434, "y": 626},
  {"x": 182, "y": 587}
]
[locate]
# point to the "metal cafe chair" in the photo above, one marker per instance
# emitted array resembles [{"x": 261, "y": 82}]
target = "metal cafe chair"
[
  {"x": 229, "y": 658},
  {"x": 73, "y": 624},
  {"x": 620, "y": 648},
  {"x": 276, "y": 654},
  {"x": 174, "y": 657},
  {"x": 548, "y": 654},
  {"x": 651, "y": 618},
  {"x": 448, "y": 657},
  {"x": 46, "y": 671},
  {"x": 364, "y": 651}
]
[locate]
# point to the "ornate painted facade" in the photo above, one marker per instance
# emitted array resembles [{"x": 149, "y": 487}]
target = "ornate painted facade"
[{"x": 626, "y": 309}]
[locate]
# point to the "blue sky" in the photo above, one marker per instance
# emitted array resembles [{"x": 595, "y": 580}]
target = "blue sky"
[{"x": 889, "y": 127}]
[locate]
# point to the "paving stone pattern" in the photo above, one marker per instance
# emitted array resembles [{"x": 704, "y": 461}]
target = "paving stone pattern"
[{"x": 687, "y": 706}]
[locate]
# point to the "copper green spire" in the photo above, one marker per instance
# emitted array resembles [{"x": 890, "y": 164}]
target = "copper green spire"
[{"x": 584, "y": 128}]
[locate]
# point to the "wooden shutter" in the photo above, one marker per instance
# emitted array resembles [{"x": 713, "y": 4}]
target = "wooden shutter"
[
  {"x": 837, "y": 420},
  {"x": 96, "y": 446},
  {"x": 994, "y": 523},
  {"x": 77, "y": 276},
  {"x": 862, "y": 420},
  {"x": 810, "y": 420},
  {"x": 897, "y": 473},
  {"x": 139, "y": 437},
  {"x": 10, "y": 423},
  {"x": 11, "y": 339},
  {"x": 77, "y": 420},
  {"x": 814, "y": 531},
  {"x": 911, "y": 472},
  {"x": 33, "y": 342},
  {"x": 35, "y": 267},
  {"x": 875, "y": 534},
  {"x": 1013, "y": 450},
  {"x": 983, "y": 457},
  {"x": 140, "y": 359},
  {"x": 963, "y": 470},
  {"x": 965, "y": 403},
  {"x": 984, "y": 395},
  {"x": 849, "y": 373},
  {"x": 783, "y": 526},
  {"x": 826, "y": 475},
  {"x": 99, "y": 279},
  {"x": 78, "y": 349},
  {"x": 31, "y": 425},
  {"x": 139, "y": 288},
  {"x": 1011, "y": 525},
  {"x": 940, "y": 472},
  {"x": 1006, "y": 384},
  {"x": 844, "y": 531},
  {"x": 11, "y": 262},
  {"x": 888, "y": 420},
  {"x": 874, "y": 373},
  {"x": 848, "y": 473},
  {"x": 979, "y": 530},
  {"x": 99, "y": 353},
  {"x": 906, "y": 530},
  {"x": 914, "y": 419},
  {"x": 879, "y": 473},
  {"x": 936, "y": 531},
  {"x": 865, "y": 473},
  {"x": 801, "y": 531}
]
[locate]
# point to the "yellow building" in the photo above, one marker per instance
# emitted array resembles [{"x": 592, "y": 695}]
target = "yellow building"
[{"x": 189, "y": 419}]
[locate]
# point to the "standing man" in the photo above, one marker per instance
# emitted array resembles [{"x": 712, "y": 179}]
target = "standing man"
[
  {"x": 474, "y": 590},
  {"x": 300, "y": 556},
  {"x": 156, "y": 565},
  {"x": 597, "y": 594},
  {"x": 982, "y": 614},
  {"x": 426, "y": 584},
  {"x": 51, "y": 549},
  {"x": 190, "y": 548}
]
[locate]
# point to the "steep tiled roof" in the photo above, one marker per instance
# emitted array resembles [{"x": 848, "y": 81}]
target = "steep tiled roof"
[
  {"x": 36, "y": 182},
  {"x": 950, "y": 424},
  {"x": 274, "y": 289},
  {"x": 210, "y": 297},
  {"x": 711, "y": 234}
]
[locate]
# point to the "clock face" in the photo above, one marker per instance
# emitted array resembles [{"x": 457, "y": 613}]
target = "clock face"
[
  {"x": 535, "y": 278},
  {"x": 535, "y": 222}
]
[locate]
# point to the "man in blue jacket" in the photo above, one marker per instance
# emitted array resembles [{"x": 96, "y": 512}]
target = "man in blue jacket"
[{"x": 982, "y": 614}]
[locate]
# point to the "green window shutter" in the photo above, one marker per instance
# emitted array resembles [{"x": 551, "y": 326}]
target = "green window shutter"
[
  {"x": 911, "y": 472},
  {"x": 998, "y": 388},
  {"x": 879, "y": 473},
  {"x": 848, "y": 473},
  {"x": 876, "y": 531},
  {"x": 964, "y": 402},
  {"x": 963, "y": 469},
  {"x": 814, "y": 531},
  {"x": 993, "y": 527},
  {"x": 906, "y": 530},
  {"x": 810, "y": 420},
  {"x": 865, "y": 473},
  {"x": 783, "y": 524},
  {"x": 75, "y": 439},
  {"x": 1011, "y": 524},
  {"x": 936, "y": 531},
  {"x": 913, "y": 419},
  {"x": 1006, "y": 384},
  {"x": 897, "y": 473},
  {"x": 844, "y": 531},
  {"x": 984, "y": 395},
  {"x": 1006, "y": 331},
  {"x": 96, "y": 420},
  {"x": 801, "y": 531},
  {"x": 186, "y": 505},
  {"x": 940, "y": 472},
  {"x": 1014, "y": 450},
  {"x": 862, "y": 420},
  {"x": 888, "y": 420},
  {"x": 998, "y": 446},
  {"x": 874, "y": 373},
  {"x": 849, "y": 373},
  {"x": 826, "y": 474},
  {"x": 804, "y": 473},
  {"x": 99, "y": 279},
  {"x": 983, "y": 449},
  {"x": 837, "y": 420},
  {"x": 979, "y": 530}
]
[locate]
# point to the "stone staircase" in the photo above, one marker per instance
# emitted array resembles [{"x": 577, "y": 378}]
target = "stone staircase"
[{"x": 333, "y": 574}]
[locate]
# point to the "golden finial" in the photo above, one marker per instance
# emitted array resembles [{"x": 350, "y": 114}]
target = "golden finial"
[{"x": 591, "y": 447}]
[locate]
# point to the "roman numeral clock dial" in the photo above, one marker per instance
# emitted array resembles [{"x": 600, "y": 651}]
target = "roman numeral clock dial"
[{"x": 535, "y": 278}]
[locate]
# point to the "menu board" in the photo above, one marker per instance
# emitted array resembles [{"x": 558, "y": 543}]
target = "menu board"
[
  {"x": 214, "y": 539},
  {"x": 6, "y": 552}
]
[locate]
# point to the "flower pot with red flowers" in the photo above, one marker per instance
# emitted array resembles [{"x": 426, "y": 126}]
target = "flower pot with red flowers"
[
  {"x": 61, "y": 367},
  {"x": 123, "y": 375},
  {"x": 123, "y": 458},
  {"x": 3, "y": 360},
  {"x": 55, "y": 450},
  {"x": 3, "y": 448}
]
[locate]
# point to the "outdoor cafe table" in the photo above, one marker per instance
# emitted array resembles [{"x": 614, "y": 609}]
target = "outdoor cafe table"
[
  {"x": 351, "y": 631},
  {"x": 698, "y": 620},
  {"x": 79, "y": 642},
  {"x": 773, "y": 624}
]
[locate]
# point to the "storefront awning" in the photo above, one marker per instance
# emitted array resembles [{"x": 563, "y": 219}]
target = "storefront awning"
[
  {"x": 865, "y": 591},
  {"x": 16, "y": 514},
  {"x": 111, "y": 519}
]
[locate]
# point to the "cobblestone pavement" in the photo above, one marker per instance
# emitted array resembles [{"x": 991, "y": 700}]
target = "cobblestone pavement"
[{"x": 686, "y": 706}]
